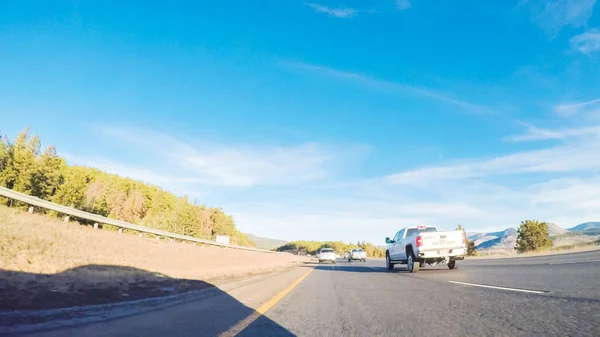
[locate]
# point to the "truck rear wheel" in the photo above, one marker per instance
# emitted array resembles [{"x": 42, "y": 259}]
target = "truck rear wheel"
[
  {"x": 412, "y": 263},
  {"x": 452, "y": 264},
  {"x": 388, "y": 262}
]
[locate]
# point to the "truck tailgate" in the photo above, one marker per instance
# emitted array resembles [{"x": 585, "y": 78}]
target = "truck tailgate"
[{"x": 442, "y": 240}]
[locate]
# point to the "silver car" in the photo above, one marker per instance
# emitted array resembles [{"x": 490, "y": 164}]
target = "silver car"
[{"x": 327, "y": 254}]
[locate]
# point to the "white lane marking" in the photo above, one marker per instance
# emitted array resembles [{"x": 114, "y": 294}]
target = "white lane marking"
[
  {"x": 500, "y": 288},
  {"x": 573, "y": 262}
]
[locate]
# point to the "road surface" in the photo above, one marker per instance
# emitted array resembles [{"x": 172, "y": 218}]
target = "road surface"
[{"x": 536, "y": 296}]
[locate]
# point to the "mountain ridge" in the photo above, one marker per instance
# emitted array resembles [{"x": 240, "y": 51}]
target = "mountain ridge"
[
  {"x": 506, "y": 239},
  {"x": 264, "y": 242}
]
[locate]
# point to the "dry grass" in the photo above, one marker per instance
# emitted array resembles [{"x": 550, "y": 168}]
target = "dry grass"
[{"x": 43, "y": 262}]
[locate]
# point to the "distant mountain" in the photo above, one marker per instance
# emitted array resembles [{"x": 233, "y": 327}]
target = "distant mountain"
[
  {"x": 265, "y": 243},
  {"x": 585, "y": 226},
  {"x": 555, "y": 230},
  {"x": 504, "y": 242},
  {"x": 507, "y": 238}
]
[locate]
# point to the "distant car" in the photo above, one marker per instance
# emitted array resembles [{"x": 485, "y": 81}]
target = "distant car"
[
  {"x": 327, "y": 254},
  {"x": 357, "y": 254}
]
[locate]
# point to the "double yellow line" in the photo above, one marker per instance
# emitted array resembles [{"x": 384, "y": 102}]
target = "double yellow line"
[{"x": 263, "y": 308}]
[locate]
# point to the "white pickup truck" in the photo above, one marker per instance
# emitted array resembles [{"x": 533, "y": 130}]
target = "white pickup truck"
[
  {"x": 418, "y": 245},
  {"x": 357, "y": 254}
]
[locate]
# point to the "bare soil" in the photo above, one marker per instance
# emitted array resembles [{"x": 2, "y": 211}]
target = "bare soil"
[{"x": 45, "y": 263}]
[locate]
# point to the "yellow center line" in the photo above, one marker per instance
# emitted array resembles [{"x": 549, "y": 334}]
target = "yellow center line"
[{"x": 263, "y": 308}]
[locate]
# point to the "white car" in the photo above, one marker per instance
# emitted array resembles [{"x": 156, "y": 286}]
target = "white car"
[
  {"x": 357, "y": 254},
  {"x": 327, "y": 254}
]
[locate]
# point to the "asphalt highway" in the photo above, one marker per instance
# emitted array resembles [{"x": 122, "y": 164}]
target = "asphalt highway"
[{"x": 538, "y": 296}]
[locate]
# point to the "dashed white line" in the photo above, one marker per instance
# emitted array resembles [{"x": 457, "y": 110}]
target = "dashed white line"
[{"x": 499, "y": 288}]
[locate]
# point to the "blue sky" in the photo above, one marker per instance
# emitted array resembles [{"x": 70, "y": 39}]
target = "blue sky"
[{"x": 325, "y": 119}]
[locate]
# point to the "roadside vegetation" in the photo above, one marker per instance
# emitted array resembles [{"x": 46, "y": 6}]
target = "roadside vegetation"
[
  {"x": 533, "y": 235},
  {"x": 471, "y": 250},
  {"x": 25, "y": 167},
  {"x": 340, "y": 247}
]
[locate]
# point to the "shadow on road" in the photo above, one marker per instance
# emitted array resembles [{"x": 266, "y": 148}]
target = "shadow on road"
[
  {"x": 359, "y": 267},
  {"x": 25, "y": 296}
]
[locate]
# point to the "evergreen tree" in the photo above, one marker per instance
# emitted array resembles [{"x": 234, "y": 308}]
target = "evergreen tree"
[{"x": 532, "y": 235}]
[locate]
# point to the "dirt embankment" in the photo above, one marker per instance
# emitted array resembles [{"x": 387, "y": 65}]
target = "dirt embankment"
[{"x": 46, "y": 263}]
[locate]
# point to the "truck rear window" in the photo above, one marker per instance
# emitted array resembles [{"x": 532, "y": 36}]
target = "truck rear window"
[{"x": 415, "y": 231}]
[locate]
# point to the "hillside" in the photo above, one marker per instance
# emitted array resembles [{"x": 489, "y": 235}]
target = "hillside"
[
  {"x": 265, "y": 243},
  {"x": 24, "y": 167},
  {"x": 45, "y": 263},
  {"x": 585, "y": 226},
  {"x": 556, "y": 230},
  {"x": 506, "y": 239}
]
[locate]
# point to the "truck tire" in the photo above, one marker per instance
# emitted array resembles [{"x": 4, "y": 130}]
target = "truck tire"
[
  {"x": 452, "y": 264},
  {"x": 412, "y": 263},
  {"x": 388, "y": 262}
]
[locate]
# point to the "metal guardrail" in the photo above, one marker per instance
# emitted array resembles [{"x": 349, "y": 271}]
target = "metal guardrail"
[{"x": 37, "y": 202}]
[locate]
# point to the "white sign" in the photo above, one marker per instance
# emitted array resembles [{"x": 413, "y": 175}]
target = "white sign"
[{"x": 223, "y": 239}]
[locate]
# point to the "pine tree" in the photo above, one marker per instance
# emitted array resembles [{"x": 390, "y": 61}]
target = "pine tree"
[
  {"x": 532, "y": 235},
  {"x": 25, "y": 169},
  {"x": 50, "y": 168}
]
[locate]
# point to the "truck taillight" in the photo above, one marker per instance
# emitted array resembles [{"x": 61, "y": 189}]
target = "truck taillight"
[{"x": 419, "y": 241}]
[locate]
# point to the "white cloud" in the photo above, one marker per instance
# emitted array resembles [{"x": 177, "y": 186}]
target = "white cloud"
[
  {"x": 574, "y": 157},
  {"x": 578, "y": 108},
  {"x": 535, "y": 133},
  {"x": 587, "y": 42},
  {"x": 387, "y": 86},
  {"x": 240, "y": 165},
  {"x": 339, "y": 12},
  {"x": 553, "y": 15},
  {"x": 291, "y": 192},
  {"x": 403, "y": 4}
]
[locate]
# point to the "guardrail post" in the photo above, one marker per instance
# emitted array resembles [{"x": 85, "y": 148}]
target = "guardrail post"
[
  {"x": 66, "y": 219},
  {"x": 120, "y": 230},
  {"x": 140, "y": 235},
  {"x": 96, "y": 225},
  {"x": 172, "y": 240},
  {"x": 157, "y": 237},
  {"x": 194, "y": 243},
  {"x": 30, "y": 209}
]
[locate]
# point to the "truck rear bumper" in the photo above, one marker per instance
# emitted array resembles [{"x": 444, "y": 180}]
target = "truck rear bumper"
[{"x": 456, "y": 253}]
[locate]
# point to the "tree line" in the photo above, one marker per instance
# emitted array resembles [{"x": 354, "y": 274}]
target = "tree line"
[
  {"x": 340, "y": 247},
  {"x": 25, "y": 167}
]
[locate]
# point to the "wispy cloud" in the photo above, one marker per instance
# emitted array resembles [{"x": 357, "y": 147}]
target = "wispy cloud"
[
  {"x": 587, "y": 42},
  {"x": 578, "y": 108},
  {"x": 534, "y": 133},
  {"x": 207, "y": 163},
  {"x": 294, "y": 192},
  {"x": 403, "y": 5},
  {"x": 338, "y": 12},
  {"x": 576, "y": 157},
  {"x": 387, "y": 86},
  {"x": 219, "y": 163},
  {"x": 553, "y": 15}
]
